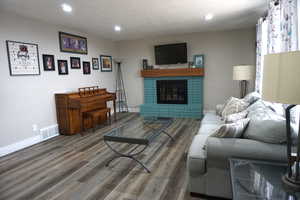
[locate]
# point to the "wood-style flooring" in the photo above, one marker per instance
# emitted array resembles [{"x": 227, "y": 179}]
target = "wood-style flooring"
[{"x": 73, "y": 167}]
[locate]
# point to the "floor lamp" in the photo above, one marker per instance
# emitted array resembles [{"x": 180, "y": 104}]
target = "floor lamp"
[
  {"x": 243, "y": 73},
  {"x": 281, "y": 84}
]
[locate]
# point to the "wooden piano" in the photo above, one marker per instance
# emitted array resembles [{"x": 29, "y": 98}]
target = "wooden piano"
[{"x": 71, "y": 106}]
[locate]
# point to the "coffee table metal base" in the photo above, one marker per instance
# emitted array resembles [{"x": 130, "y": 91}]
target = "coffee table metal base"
[{"x": 129, "y": 155}]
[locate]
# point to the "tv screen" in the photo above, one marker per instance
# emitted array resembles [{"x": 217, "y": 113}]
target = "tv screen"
[{"x": 170, "y": 54}]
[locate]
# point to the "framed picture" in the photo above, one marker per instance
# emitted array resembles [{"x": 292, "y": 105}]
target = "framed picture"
[
  {"x": 48, "y": 62},
  {"x": 106, "y": 63},
  {"x": 95, "y": 63},
  {"x": 199, "y": 60},
  {"x": 86, "y": 67},
  {"x": 72, "y": 43},
  {"x": 23, "y": 58},
  {"x": 75, "y": 62},
  {"x": 62, "y": 67}
]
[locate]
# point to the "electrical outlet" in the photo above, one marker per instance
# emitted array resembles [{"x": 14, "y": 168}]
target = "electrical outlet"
[{"x": 34, "y": 127}]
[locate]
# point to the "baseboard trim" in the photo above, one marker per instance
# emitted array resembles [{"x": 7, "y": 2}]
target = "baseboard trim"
[{"x": 22, "y": 144}]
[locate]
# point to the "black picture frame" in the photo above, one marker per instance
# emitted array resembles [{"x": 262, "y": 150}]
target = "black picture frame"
[
  {"x": 86, "y": 67},
  {"x": 70, "y": 43},
  {"x": 106, "y": 63},
  {"x": 62, "y": 70},
  {"x": 11, "y": 54},
  {"x": 48, "y": 62},
  {"x": 95, "y": 63},
  {"x": 75, "y": 63}
]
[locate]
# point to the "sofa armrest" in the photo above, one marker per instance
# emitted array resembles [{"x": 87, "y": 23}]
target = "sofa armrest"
[{"x": 219, "y": 150}]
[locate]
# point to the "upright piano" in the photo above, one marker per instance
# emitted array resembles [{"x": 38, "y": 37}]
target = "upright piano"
[{"x": 70, "y": 107}]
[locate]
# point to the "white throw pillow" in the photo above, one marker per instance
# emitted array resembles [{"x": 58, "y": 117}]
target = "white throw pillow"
[
  {"x": 234, "y": 105},
  {"x": 233, "y": 130},
  {"x": 236, "y": 117},
  {"x": 252, "y": 97}
]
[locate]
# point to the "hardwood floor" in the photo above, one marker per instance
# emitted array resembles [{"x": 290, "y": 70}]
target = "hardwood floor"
[{"x": 73, "y": 167}]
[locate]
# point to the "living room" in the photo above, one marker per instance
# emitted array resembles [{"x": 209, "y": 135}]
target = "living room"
[{"x": 183, "y": 100}]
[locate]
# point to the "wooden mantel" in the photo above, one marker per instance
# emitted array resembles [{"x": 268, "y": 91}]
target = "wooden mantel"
[{"x": 172, "y": 72}]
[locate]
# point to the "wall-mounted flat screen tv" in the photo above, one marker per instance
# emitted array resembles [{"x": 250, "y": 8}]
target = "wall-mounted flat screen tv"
[{"x": 170, "y": 54}]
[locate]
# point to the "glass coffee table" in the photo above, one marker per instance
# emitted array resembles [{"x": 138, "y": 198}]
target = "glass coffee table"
[
  {"x": 258, "y": 180},
  {"x": 139, "y": 133}
]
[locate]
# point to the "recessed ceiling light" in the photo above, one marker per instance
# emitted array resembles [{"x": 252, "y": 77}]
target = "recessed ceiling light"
[
  {"x": 66, "y": 7},
  {"x": 117, "y": 28},
  {"x": 209, "y": 16}
]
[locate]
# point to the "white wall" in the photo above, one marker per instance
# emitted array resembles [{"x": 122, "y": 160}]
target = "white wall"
[
  {"x": 222, "y": 50},
  {"x": 28, "y": 100}
]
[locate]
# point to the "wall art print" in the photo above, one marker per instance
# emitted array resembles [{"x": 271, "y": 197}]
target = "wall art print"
[
  {"x": 72, "y": 43},
  {"x": 23, "y": 58}
]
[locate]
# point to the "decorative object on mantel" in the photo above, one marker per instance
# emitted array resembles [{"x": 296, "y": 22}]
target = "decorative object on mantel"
[
  {"x": 145, "y": 64},
  {"x": 48, "y": 62},
  {"x": 190, "y": 64},
  {"x": 106, "y": 63},
  {"x": 75, "y": 62},
  {"x": 281, "y": 84},
  {"x": 86, "y": 67},
  {"x": 120, "y": 89},
  {"x": 72, "y": 43},
  {"x": 243, "y": 73},
  {"x": 95, "y": 63},
  {"x": 173, "y": 72},
  {"x": 23, "y": 58},
  {"x": 199, "y": 60},
  {"x": 62, "y": 67}
]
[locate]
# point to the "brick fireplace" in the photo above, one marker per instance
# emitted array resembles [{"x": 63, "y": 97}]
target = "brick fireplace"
[{"x": 173, "y": 94}]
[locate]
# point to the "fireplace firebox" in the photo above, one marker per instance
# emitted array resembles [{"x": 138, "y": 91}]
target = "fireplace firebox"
[{"x": 172, "y": 91}]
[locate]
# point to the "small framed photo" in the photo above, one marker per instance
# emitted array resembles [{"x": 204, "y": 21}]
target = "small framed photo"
[
  {"x": 62, "y": 67},
  {"x": 86, "y": 67},
  {"x": 95, "y": 63},
  {"x": 106, "y": 63},
  {"x": 75, "y": 62},
  {"x": 48, "y": 62},
  {"x": 199, "y": 60}
]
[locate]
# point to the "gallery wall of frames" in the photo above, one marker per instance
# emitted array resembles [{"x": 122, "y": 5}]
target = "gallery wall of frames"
[{"x": 23, "y": 57}]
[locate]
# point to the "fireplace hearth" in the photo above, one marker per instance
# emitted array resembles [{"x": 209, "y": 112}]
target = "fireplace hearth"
[{"x": 172, "y": 91}]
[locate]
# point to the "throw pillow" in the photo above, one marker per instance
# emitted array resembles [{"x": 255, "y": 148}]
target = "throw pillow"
[
  {"x": 234, "y": 105},
  {"x": 236, "y": 116},
  {"x": 219, "y": 109},
  {"x": 266, "y": 126},
  {"x": 276, "y": 107},
  {"x": 233, "y": 130},
  {"x": 252, "y": 97}
]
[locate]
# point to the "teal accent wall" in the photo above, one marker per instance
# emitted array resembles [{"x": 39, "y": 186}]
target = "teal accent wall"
[{"x": 194, "y": 108}]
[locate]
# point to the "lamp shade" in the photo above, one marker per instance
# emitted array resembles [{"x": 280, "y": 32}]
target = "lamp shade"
[
  {"x": 243, "y": 72},
  {"x": 281, "y": 78}
]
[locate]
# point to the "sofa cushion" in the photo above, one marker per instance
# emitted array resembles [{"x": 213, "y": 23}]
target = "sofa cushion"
[
  {"x": 211, "y": 118},
  {"x": 197, "y": 155},
  {"x": 266, "y": 126},
  {"x": 233, "y": 130},
  {"x": 234, "y": 105}
]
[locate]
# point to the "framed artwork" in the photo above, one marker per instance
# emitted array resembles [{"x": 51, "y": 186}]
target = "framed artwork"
[
  {"x": 23, "y": 58},
  {"x": 106, "y": 63},
  {"x": 72, "y": 43},
  {"x": 62, "y": 67},
  {"x": 95, "y": 63},
  {"x": 199, "y": 60},
  {"x": 48, "y": 62},
  {"x": 75, "y": 62},
  {"x": 86, "y": 67}
]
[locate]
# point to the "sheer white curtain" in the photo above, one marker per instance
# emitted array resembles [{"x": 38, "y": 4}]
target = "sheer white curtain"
[{"x": 276, "y": 33}]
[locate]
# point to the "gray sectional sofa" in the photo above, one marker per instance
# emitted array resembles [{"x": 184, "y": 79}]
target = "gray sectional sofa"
[{"x": 207, "y": 162}]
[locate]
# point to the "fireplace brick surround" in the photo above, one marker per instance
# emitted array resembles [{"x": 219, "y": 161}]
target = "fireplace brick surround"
[{"x": 193, "y": 108}]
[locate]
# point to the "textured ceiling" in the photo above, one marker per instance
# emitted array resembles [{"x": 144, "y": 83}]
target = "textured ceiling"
[{"x": 141, "y": 18}]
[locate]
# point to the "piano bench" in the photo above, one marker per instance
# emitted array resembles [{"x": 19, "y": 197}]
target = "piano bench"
[{"x": 96, "y": 114}]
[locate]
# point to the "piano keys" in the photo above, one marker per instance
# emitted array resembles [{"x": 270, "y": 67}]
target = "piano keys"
[{"x": 71, "y": 106}]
